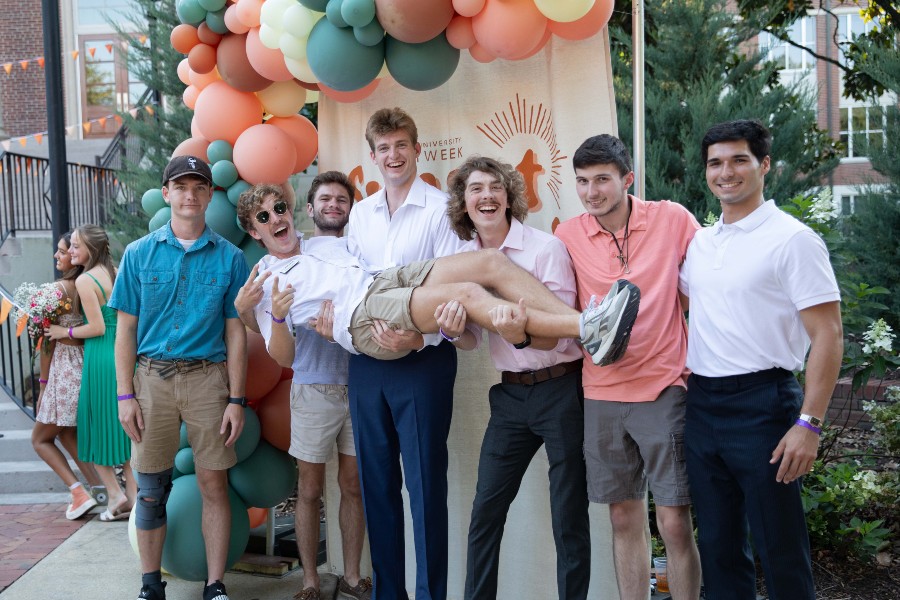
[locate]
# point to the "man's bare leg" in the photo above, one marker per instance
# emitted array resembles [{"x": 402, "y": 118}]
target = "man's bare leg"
[
  {"x": 306, "y": 518},
  {"x": 683, "y": 565},
  {"x": 351, "y": 518},
  {"x": 216, "y": 520},
  {"x": 631, "y": 548}
]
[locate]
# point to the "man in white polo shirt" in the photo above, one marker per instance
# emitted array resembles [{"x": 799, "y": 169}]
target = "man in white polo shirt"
[{"x": 762, "y": 292}]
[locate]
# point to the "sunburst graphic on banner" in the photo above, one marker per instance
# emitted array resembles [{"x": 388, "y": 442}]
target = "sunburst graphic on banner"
[{"x": 522, "y": 117}]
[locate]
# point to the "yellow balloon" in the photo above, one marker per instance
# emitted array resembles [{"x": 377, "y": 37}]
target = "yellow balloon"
[
  {"x": 564, "y": 11},
  {"x": 283, "y": 98}
]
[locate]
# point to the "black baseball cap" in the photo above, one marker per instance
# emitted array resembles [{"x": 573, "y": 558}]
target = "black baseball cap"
[{"x": 186, "y": 165}]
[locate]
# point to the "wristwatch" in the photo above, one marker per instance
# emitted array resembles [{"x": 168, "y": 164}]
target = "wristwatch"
[
  {"x": 242, "y": 400},
  {"x": 524, "y": 344},
  {"x": 814, "y": 421}
]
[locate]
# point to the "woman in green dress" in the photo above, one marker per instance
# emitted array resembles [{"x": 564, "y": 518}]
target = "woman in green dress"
[{"x": 101, "y": 439}]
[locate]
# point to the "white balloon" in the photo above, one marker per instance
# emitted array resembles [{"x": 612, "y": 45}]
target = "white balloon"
[
  {"x": 300, "y": 69},
  {"x": 293, "y": 47},
  {"x": 272, "y": 12},
  {"x": 299, "y": 20},
  {"x": 312, "y": 96},
  {"x": 269, "y": 37}
]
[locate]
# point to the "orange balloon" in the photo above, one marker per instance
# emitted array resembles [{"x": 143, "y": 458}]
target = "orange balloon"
[
  {"x": 248, "y": 12},
  {"x": 257, "y": 516},
  {"x": 190, "y": 96},
  {"x": 223, "y": 113},
  {"x": 232, "y": 22},
  {"x": 274, "y": 412},
  {"x": 509, "y": 28},
  {"x": 414, "y": 21},
  {"x": 194, "y": 131},
  {"x": 350, "y": 97},
  {"x": 265, "y": 61},
  {"x": 263, "y": 373},
  {"x": 207, "y": 35},
  {"x": 201, "y": 80},
  {"x": 540, "y": 45},
  {"x": 202, "y": 58},
  {"x": 264, "y": 154},
  {"x": 459, "y": 32},
  {"x": 468, "y": 8},
  {"x": 481, "y": 54},
  {"x": 183, "y": 71},
  {"x": 193, "y": 146},
  {"x": 235, "y": 67},
  {"x": 304, "y": 136},
  {"x": 588, "y": 25},
  {"x": 184, "y": 37}
]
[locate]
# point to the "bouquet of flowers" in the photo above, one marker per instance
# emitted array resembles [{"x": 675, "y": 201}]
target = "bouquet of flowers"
[{"x": 42, "y": 305}]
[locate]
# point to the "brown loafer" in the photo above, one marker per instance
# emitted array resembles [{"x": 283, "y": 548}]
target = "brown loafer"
[
  {"x": 360, "y": 591},
  {"x": 309, "y": 593}
]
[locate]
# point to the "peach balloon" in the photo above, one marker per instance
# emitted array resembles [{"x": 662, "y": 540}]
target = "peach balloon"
[
  {"x": 283, "y": 99},
  {"x": 184, "y": 72},
  {"x": 194, "y": 131},
  {"x": 509, "y": 28},
  {"x": 257, "y": 516},
  {"x": 223, "y": 113},
  {"x": 540, "y": 45},
  {"x": 588, "y": 25},
  {"x": 481, "y": 54},
  {"x": 248, "y": 12},
  {"x": 263, "y": 154},
  {"x": 207, "y": 35},
  {"x": 303, "y": 134},
  {"x": 263, "y": 373},
  {"x": 184, "y": 37},
  {"x": 190, "y": 96},
  {"x": 468, "y": 8},
  {"x": 193, "y": 146},
  {"x": 414, "y": 21},
  {"x": 232, "y": 22},
  {"x": 265, "y": 61},
  {"x": 202, "y": 58},
  {"x": 235, "y": 67},
  {"x": 459, "y": 32},
  {"x": 201, "y": 80},
  {"x": 350, "y": 97}
]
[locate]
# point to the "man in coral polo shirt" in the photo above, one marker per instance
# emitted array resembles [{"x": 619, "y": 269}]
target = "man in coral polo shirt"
[{"x": 634, "y": 409}]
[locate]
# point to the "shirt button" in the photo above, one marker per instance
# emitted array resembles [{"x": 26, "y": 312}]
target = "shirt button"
[
  {"x": 183, "y": 277},
  {"x": 154, "y": 279},
  {"x": 179, "y": 303},
  {"x": 168, "y": 348},
  {"x": 177, "y": 326},
  {"x": 214, "y": 280}
]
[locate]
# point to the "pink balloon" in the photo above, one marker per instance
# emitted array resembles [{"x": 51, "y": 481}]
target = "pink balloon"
[
  {"x": 459, "y": 32},
  {"x": 540, "y": 45},
  {"x": 201, "y": 80},
  {"x": 265, "y": 61},
  {"x": 349, "y": 97},
  {"x": 194, "y": 131},
  {"x": 248, "y": 12},
  {"x": 184, "y": 70},
  {"x": 193, "y": 146},
  {"x": 414, "y": 21},
  {"x": 509, "y": 28},
  {"x": 588, "y": 25},
  {"x": 223, "y": 113},
  {"x": 481, "y": 54},
  {"x": 468, "y": 8},
  {"x": 304, "y": 136},
  {"x": 232, "y": 22},
  {"x": 264, "y": 154},
  {"x": 189, "y": 96}
]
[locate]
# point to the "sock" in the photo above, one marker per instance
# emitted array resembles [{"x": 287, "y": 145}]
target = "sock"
[
  {"x": 74, "y": 485},
  {"x": 154, "y": 578}
]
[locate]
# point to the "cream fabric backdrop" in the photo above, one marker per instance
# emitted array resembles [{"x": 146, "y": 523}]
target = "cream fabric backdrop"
[{"x": 532, "y": 114}]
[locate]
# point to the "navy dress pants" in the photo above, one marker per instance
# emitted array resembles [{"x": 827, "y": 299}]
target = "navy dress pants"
[
  {"x": 732, "y": 426},
  {"x": 524, "y": 417},
  {"x": 402, "y": 409}
]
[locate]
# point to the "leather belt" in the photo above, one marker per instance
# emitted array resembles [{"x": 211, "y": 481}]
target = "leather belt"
[
  {"x": 167, "y": 368},
  {"x": 541, "y": 375}
]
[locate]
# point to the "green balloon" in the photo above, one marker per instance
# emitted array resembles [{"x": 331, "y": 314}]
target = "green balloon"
[
  {"x": 212, "y": 5},
  {"x": 317, "y": 5},
  {"x": 184, "y": 461},
  {"x": 333, "y": 13},
  {"x": 422, "y": 66},
  {"x": 190, "y": 12},
  {"x": 246, "y": 444},
  {"x": 152, "y": 201},
  {"x": 236, "y": 189},
  {"x": 252, "y": 251},
  {"x": 176, "y": 473},
  {"x": 369, "y": 35},
  {"x": 358, "y": 13},
  {"x": 215, "y": 20},
  {"x": 182, "y": 437},
  {"x": 220, "y": 218},
  {"x": 265, "y": 478},
  {"x": 339, "y": 61},
  {"x": 184, "y": 553},
  {"x": 161, "y": 217},
  {"x": 219, "y": 150},
  {"x": 224, "y": 174}
]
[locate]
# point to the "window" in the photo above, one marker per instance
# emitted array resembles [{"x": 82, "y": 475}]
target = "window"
[
  {"x": 788, "y": 56},
  {"x": 848, "y": 204},
  {"x": 99, "y": 12},
  {"x": 862, "y": 130}
]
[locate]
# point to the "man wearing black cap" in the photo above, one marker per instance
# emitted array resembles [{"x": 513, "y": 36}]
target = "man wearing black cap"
[{"x": 177, "y": 322}]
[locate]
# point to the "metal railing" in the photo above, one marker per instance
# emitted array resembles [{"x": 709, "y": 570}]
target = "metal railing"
[
  {"x": 124, "y": 147},
  {"x": 19, "y": 369}
]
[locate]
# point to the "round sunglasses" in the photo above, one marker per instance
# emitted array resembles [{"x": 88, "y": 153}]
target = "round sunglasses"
[{"x": 279, "y": 208}]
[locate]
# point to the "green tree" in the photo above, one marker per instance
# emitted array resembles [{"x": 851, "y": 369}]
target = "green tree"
[{"x": 698, "y": 73}]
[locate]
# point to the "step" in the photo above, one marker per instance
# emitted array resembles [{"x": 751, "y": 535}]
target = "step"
[{"x": 30, "y": 477}]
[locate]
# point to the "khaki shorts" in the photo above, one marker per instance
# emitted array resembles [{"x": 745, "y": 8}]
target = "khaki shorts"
[
  {"x": 630, "y": 444},
  {"x": 388, "y": 300},
  {"x": 199, "y": 398},
  {"x": 320, "y": 416}
]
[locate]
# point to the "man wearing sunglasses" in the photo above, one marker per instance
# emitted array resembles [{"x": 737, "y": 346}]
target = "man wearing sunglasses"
[
  {"x": 175, "y": 295},
  {"x": 320, "y": 412}
]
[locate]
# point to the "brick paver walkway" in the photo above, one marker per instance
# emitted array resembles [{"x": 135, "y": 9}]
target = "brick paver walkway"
[{"x": 28, "y": 533}]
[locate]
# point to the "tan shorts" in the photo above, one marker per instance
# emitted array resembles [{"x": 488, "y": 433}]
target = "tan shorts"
[
  {"x": 320, "y": 416},
  {"x": 388, "y": 300},
  {"x": 199, "y": 398}
]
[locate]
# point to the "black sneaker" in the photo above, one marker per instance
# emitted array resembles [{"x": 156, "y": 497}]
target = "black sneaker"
[
  {"x": 215, "y": 591},
  {"x": 153, "y": 592}
]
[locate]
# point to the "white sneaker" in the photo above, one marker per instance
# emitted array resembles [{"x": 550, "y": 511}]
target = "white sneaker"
[{"x": 606, "y": 327}]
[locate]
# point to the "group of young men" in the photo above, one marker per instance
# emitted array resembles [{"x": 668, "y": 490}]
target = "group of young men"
[{"x": 370, "y": 324}]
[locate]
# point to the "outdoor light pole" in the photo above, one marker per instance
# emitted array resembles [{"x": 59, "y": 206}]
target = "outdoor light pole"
[
  {"x": 56, "y": 114},
  {"x": 637, "y": 45}
]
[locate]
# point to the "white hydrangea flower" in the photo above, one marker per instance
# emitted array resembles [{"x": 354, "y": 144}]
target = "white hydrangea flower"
[
  {"x": 824, "y": 207},
  {"x": 879, "y": 338}
]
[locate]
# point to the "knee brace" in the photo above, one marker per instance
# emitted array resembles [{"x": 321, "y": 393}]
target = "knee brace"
[{"x": 152, "y": 495}]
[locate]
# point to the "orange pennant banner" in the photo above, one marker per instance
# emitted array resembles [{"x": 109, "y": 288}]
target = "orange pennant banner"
[
  {"x": 74, "y": 54},
  {"x": 8, "y": 68},
  {"x": 108, "y": 48},
  {"x": 20, "y": 325},
  {"x": 92, "y": 50},
  {"x": 5, "y": 307},
  {"x": 22, "y": 142},
  {"x": 41, "y": 62},
  {"x": 39, "y": 137},
  {"x": 149, "y": 109},
  {"x": 87, "y": 126},
  {"x": 102, "y": 122},
  {"x": 23, "y": 64}
]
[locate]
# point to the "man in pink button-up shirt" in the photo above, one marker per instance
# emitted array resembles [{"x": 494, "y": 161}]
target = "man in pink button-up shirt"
[{"x": 539, "y": 401}]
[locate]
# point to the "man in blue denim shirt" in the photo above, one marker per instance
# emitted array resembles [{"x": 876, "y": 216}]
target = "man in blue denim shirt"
[{"x": 175, "y": 296}]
